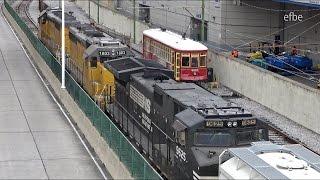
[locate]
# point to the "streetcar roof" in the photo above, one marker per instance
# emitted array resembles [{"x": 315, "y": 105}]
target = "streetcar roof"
[{"x": 174, "y": 40}]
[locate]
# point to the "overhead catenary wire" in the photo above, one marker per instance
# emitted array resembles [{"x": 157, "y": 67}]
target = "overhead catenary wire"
[
  {"x": 295, "y": 68},
  {"x": 163, "y": 8},
  {"x": 261, "y": 38},
  {"x": 279, "y": 10},
  {"x": 199, "y": 6},
  {"x": 308, "y": 29},
  {"x": 275, "y": 32},
  {"x": 292, "y": 72},
  {"x": 212, "y": 22}
]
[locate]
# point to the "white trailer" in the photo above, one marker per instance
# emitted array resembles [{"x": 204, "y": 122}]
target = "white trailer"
[{"x": 264, "y": 160}]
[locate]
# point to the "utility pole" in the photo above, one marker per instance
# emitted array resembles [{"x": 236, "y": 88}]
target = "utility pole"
[
  {"x": 98, "y": 18},
  {"x": 63, "y": 56},
  {"x": 202, "y": 21},
  {"x": 134, "y": 21}
]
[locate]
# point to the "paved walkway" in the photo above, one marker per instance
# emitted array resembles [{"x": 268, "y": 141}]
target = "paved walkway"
[{"x": 36, "y": 140}]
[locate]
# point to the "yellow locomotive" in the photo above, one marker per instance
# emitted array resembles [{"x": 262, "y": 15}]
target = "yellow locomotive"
[{"x": 86, "y": 51}]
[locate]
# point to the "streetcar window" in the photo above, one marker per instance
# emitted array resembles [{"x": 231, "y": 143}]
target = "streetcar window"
[
  {"x": 185, "y": 61},
  {"x": 93, "y": 62},
  {"x": 202, "y": 61},
  {"x": 178, "y": 59},
  {"x": 194, "y": 62},
  {"x": 213, "y": 139},
  {"x": 152, "y": 47}
]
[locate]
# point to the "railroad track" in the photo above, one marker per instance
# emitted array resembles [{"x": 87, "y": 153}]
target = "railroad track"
[
  {"x": 277, "y": 136},
  {"x": 22, "y": 8}
]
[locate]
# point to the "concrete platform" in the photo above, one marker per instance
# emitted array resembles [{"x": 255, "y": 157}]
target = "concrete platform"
[{"x": 36, "y": 140}]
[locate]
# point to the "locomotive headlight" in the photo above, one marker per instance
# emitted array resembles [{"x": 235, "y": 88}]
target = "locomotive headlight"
[
  {"x": 229, "y": 124},
  {"x": 235, "y": 124}
]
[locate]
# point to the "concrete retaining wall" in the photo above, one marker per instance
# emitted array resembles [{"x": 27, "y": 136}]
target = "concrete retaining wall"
[
  {"x": 113, "y": 20},
  {"x": 296, "y": 101},
  {"x": 105, "y": 153}
]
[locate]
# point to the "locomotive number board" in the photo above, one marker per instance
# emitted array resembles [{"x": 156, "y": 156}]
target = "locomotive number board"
[
  {"x": 112, "y": 53},
  {"x": 226, "y": 123}
]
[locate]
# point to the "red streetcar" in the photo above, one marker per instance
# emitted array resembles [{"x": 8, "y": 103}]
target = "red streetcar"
[{"x": 187, "y": 58}]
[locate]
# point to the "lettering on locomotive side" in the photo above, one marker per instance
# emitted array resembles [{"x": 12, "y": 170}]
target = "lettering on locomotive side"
[
  {"x": 140, "y": 99},
  {"x": 181, "y": 154},
  {"x": 146, "y": 121}
]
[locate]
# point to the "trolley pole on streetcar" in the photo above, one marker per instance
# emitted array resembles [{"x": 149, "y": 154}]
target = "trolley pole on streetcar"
[
  {"x": 202, "y": 20},
  {"x": 63, "y": 57}
]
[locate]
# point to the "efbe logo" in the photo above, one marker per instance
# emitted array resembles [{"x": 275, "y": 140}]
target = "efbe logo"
[{"x": 292, "y": 17}]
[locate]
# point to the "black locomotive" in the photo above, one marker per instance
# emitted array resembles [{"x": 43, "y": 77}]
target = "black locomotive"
[{"x": 181, "y": 127}]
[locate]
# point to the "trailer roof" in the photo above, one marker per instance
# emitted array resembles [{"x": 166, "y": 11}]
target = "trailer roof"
[
  {"x": 174, "y": 40},
  {"x": 273, "y": 161}
]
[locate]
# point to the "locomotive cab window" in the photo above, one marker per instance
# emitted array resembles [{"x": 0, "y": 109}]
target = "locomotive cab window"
[
  {"x": 158, "y": 98},
  {"x": 246, "y": 137},
  {"x": 181, "y": 137},
  {"x": 194, "y": 62},
  {"x": 103, "y": 59},
  {"x": 43, "y": 20},
  {"x": 219, "y": 139},
  {"x": 179, "y": 132},
  {"x": 185, "y": 61},
  {"x": 202, "y": 61},
  {"x": 93, "y": 63}
]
